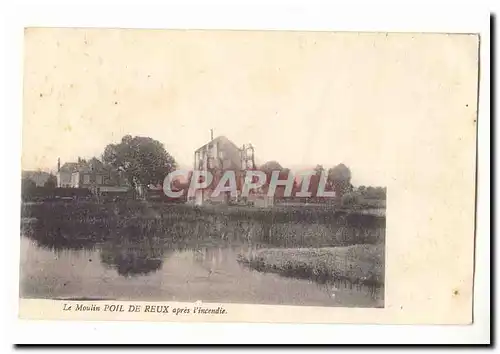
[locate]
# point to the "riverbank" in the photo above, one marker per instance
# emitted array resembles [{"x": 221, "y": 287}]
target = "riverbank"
[
  {"x": 120, "y": 272},
  {"x": 87, "y": 222},
  {"x": 358, "y": 264}
]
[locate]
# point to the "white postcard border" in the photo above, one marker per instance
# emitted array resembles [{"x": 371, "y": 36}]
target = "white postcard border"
[{"x": 435, "y": 18}]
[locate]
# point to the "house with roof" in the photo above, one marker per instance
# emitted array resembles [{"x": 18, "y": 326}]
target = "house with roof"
[
  {"x": 218, "y": 156},
  {"x": 64, "y": 173},
  {"x": 92, "y": 174}
]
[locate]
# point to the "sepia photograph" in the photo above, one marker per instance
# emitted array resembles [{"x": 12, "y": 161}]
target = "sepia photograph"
[
  {"x": 225, "y": 169},
  {"x": 159, "y": 188}
]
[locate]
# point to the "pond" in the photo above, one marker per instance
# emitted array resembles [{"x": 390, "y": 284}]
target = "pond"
[
  {"x": 162, "y": 252},
  {"x": 130, "y": 270}
]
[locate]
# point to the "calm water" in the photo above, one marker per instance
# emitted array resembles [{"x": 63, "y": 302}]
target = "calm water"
[{"x": 131, "y": 271}]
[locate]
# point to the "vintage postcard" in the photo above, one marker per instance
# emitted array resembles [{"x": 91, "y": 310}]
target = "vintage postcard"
[{"x": 248, "y": 176}]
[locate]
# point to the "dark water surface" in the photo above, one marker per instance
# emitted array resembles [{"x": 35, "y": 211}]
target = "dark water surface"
[
  {"x": 211, "y": 274},
  {"x": 174, "y": 253}
]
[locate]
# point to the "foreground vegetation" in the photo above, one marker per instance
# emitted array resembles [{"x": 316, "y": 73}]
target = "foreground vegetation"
[
  {"x": 350, "y": 245},
  {"x": 359, "y": 264},
  {"x": 283, "y": 227}
]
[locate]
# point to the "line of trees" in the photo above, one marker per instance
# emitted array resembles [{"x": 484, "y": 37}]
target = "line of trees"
[
  {"x": 372, "y": 192},
  {"x": 338, "y": 178},
  {"x": 145, "y": 161},
  {"x": 29, "y": 187},
  {"x": 142, "y": 160}
]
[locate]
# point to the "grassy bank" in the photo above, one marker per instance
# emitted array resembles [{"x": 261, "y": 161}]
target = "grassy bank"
[
  {"x": 86, "y": 223},
  {"x": 359, "y": 264},
  {"x": 83, "y": 210}
]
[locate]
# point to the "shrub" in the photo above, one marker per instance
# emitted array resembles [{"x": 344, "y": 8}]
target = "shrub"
[{"x": 351, "y": 199}]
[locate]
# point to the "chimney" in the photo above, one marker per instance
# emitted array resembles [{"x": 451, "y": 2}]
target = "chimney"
[
  {"x": 211, "y": 134},
  {"x": 79, "y": 159},
  {"x": 58, "y": 164}
]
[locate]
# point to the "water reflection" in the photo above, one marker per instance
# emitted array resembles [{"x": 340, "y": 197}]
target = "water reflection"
[
  {"x": 132, "y": 258},
  {"x": 187, "y": 259},
  {"x": 139, "y": 247},
  {"x": 55, "y": 239},
  {"x": 130, "y": 253}
]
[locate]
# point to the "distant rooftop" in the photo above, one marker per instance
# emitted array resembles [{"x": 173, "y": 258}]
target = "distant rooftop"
[
  {"x": 84, "y": 166},
  {"x": 220, "y": 138}
]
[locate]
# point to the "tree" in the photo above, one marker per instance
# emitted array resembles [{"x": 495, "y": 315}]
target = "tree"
[
  {"x": 318, "y": 170},
  {"x": 339, "y": 177},
  {"x": 375, "y": 193},
  {"x": 380, "y": 192},
  {"x": 268, "y": 169},
  {"x": 314, "y": 182},
  {"x": 271, "y": 166},
  {"x": 51, "y": 182},
  {"x": 351, "y": 199},
  {"x": 283, "y": 175},
  {"x": 370, "y": 192},
  {"x": 28, "y": 187},
  {"x": 143, "y": 160}
]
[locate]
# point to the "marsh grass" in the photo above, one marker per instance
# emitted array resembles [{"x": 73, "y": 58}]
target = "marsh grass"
[
  {"x": 358, "y": 264},
  {"x": 83, "y": 223}
]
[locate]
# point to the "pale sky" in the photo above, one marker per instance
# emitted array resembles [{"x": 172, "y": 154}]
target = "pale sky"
[{"x": 300, "y": 98}]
